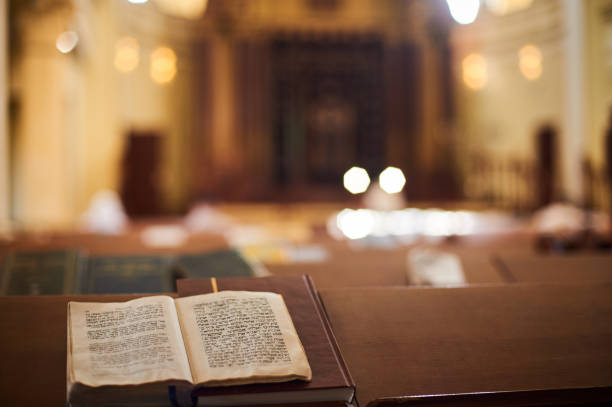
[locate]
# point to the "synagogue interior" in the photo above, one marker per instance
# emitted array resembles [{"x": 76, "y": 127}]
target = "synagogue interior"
[{"x": 449, "y": 161}]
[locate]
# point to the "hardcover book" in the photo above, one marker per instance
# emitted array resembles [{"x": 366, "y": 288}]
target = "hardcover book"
[
  {"x": 40, "y": 272},
  {"x": 331, "y": 380},
  {"x": 220, "y": 263},
  {"x": 237, "y": 341},
  {"x": 153, "y": 350},
  {"x": 127, "y": 275}
]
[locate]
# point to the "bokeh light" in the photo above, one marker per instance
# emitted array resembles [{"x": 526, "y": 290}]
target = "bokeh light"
[
  {"x": 474, "y": 68},
  {"x": 392, "y": 180},
  {"x": 413, "y": 223},
  {"x": 530, "y": 62},
  {"x": 163, "y": 65},
  {"x": 126, "y": 54},
  {"x": 463, "y": 11},
  {"x": 356, "y": 180},
  {"x": 66, "y": 41},
  {"x": 503, "y": 7},
  {"x": 138, "y": 1},
  {"x": 190, "y": 9},
  {"x": 355, "y": 224}
]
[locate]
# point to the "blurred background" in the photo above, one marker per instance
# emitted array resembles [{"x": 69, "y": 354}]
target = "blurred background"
[
  {"x": 499, "y": 103},
  {"x": 304, "y": 130}
]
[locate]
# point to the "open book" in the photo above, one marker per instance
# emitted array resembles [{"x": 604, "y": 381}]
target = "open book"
[{"x": 152, "y": 349}]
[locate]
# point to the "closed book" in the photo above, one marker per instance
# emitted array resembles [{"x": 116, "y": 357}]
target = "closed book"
[
  {"x": 219, "y": 263},
  {"x": 41, "y": 272},
  {"x": 127, "y": 275},
  {"x": 331, "y": 380}
]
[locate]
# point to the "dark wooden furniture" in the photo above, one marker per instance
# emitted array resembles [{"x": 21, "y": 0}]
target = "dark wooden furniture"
[
  {"x": 372, "y": 268},
  {"x": 33, "y": 349},
  {"x": 527, "y": 268},
  {"x": 546, "y": 151},
  {"x": 141, "y": 174},
  {"x": 510, "y": 345}
]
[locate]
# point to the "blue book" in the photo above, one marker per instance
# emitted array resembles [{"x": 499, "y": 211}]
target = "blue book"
[
  {"x": 41, "y": 272},
  {"x": 220, "y": 263},
  {"x": 128, "y": 275}
]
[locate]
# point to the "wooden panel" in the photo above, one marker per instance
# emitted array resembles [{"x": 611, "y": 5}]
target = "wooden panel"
[
  {"x": 556, "y": 268},
  {"x": 435, "y": 341},
  {"x": 141, "y": 183},
  {"x": 328, "y": 106},
  {"x": 33, "y": 350},
  {"x": 372, "y": 268}
]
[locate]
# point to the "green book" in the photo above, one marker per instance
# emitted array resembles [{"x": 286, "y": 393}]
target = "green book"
[
  {"x": 221, "y": 263},
  {"x": 41, "y": 272},
  {"x": 128, "y": 275}
]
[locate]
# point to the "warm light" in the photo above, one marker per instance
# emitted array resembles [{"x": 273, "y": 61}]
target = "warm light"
[
  {"x": 463, "y": 223},
  {"x": 356, "y": 180},
  {"x": 191, "y": 9},
  {"x": 163, "y": 65},
  {"x": 410, "y": 223},
  {"x": 138, "y": 1},
  {"x": 463, "y": 11},
  {"x": 355, "y": 224},
  {"x": 126, "y": 54},
  {"x": 530, "y": 62},
  {"x": 66, "y": 41},
  {"x": 392, "y": 180},
  {"x": 502, "y": 7},
  {"x": 474, "y": 71},
  {"x": 438, "y": 223}
]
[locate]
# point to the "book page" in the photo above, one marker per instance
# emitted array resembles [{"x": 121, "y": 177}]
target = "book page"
[
  {"x": 133, "y": 342},
  {"x": 240, "y": 337}
]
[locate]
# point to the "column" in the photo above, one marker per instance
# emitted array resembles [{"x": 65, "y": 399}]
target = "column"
[
  {"x": 574, "y": 129},
  {"x": 5, "y": 197}
]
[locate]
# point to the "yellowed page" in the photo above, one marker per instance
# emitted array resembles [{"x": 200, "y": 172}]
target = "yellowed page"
[
  {"x": 133, "y": 342},
  {"x": 239, "y": 337}
]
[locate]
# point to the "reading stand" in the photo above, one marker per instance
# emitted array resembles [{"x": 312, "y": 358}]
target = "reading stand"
[{"x": 512, "y": 345}]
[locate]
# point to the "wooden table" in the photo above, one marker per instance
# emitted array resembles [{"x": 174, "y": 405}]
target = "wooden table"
[
  {"x": 555, "y": 268},
  {"x": 129, "y": 243},
  {"x": 373, "y": 268},
  {"x": 398, "y": 341},
  {"x": 405, "y": 341},
  {"x": 351, "y": 269},
  {"x": 33, "y": 348}
]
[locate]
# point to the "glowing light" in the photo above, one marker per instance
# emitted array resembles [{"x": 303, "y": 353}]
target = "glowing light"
[
  {"x": 190, "y": 9},
  {"x": 392, "y": 180},
  {"x": 437, "y": 223},
  {"x": 463, "y": 223},
  {"x": 530, "y": 62},
  {"x": 163, "y": 65},
  {"x": 474, "y": 68},
  {"x": 126, "y": 54},
  {"x": 66, "y": 41},
  {"x": 138, "y": 1},
  {"x": 463, "y": 11},
  {"x": 356, "y": 180},
  {"x": 402, "y": 223},
  {"x": 503, "y": 7},
  {"x": 355, "y": 224},
  {"x": 412, "y": 223}
]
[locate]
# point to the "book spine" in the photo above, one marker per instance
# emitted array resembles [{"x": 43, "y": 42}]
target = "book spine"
[
  {"x": 80, "y": 273},
  {"x": 4, "y": 260},
  {"x": 7, "y": 264}
]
